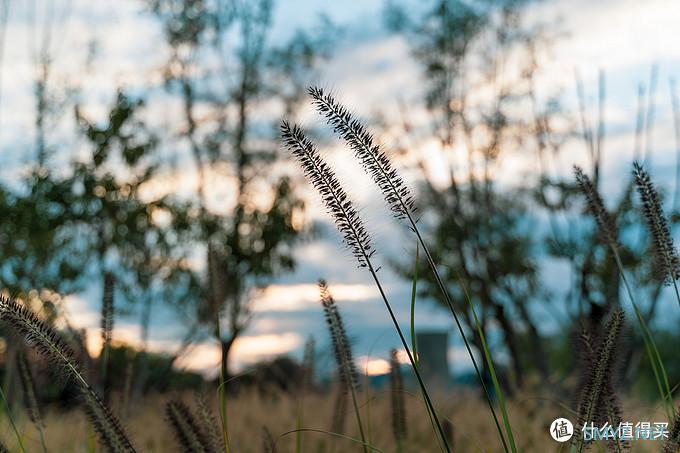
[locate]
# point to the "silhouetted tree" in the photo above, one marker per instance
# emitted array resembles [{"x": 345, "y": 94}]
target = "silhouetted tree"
[
  {"x": 230, "y": 80},
  {"x": 478, "y": 60}
]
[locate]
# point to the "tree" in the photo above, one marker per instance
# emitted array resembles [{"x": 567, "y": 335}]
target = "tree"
[
  {"x": 223, "y": 71},
  {"x": 119, "y": 235},
  {"x": 479, "y": 61}
]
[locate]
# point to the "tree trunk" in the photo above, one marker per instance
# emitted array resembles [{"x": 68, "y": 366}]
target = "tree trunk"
[
  {"x": 511, "y": 343},
  {"x": 226, "y": 346},
  {"x": 107, "y": 315},
  {"x": 537, "y": 352}
]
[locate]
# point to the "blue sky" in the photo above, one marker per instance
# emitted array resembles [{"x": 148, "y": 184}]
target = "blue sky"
[{"x": 373, "y": 71}]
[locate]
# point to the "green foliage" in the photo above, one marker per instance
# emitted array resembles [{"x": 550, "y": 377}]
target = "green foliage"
[{"x": 479, "y": 231}]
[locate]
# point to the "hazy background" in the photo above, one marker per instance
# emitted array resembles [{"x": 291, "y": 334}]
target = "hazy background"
[{"x": 97, "y": 47}]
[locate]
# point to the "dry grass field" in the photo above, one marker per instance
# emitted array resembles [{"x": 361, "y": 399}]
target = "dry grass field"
[{"x": 250, "y": 414}]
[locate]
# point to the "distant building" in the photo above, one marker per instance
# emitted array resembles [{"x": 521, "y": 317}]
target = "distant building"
[{"x": 433, "y": 358}]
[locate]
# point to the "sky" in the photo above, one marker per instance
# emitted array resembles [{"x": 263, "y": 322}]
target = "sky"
[{"x": 374, "y": 71}]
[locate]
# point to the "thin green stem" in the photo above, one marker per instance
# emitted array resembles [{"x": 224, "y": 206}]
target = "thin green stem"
[
  {"x": 358, "y": 415},
  {"x": 449, "y": 303},
  {"x": 41, "y": 432},
  {"x": 413, "y": 305},
  {"x": 367, "y": 259},
  {"x": 406, "y": 211},
  {"x": 11, "y": 421},
  {"x": 421, "y": 383},
  {"x": 329, "y": 433},
  {"x": 650, "y": 345}
]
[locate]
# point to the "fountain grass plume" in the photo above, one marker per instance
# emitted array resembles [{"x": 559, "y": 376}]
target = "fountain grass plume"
[
  {"x": 667, "y": 260},
  {"x": 401, "y": 202},
  {"x": 350, "y": 225},
  {"x": 347, "y": 371},
  {"x": 672, "y": 444},
  {"x": 50, "y": 345},
  {"x": 209, "y": 421},
  {"x": 323, "y": 179},
  {"x": 609, "y": 234},
  {"x": 596, "y": 403},
  {"x": 188, "y": 433},
  {"x": 605, "y": 221},
  {"x": 370, "y": 155}
]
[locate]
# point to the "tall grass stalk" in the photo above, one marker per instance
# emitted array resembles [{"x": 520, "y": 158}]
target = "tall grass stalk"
[
  {"x": 607, "y": 229},
  {"x": 343, "y": 353},
  {"x": 339, "y": 411},
  {"x": 667, "y": 260},
  {"x": 492, "y": 369},
  {"x": 50, "y": 345},
  {"x": 306, "y": 386},
  {"x": 398, "y": 197},
  {"x": 592, "y": 357},
  {"x": 207, "y": 418},
  {"x": 11, "y": 421},
  {"x": 672, "y": 444},
  {"x": 414, "y": 293},
  {"x": 592, "y": 402},
  {"x": 352, "y": 228},
  {"x": 398, "y": 405},
  {"x": 188, "y": 432},
  {"x": 30, "y": 396}
]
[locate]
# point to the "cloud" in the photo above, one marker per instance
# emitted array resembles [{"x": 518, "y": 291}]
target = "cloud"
[
  {"x": 305, "y": 296},
  {"x": 247, "y": 350},
  {"x": 372, "y": 366}
]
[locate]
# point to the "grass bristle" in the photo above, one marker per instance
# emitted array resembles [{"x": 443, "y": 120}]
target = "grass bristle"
[
  {"x": 672, "y": 444},
  {"x": 189, "y": 435},
  {"x": 605, "y": 221},
  {"x": 209, "y": 421},
  {"x": 372, "y": 158},
  {"x": 347, "y": 371},
  {"x": 29, "y": 391},
  {"x": 598, "y": 402},
  {"x": 337, "y": 203},
  {"x": 50, "y": 345},
  {"x": 109, "y": 430},
  {"x": 667, "y": 260}
]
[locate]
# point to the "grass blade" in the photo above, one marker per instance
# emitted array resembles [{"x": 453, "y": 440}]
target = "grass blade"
[
  {"x": 30, "y": 396},
  {"x": 492, "y": 370},
  {"x": 413, "y": 305},
  {"x": 11, "y": 420}
]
